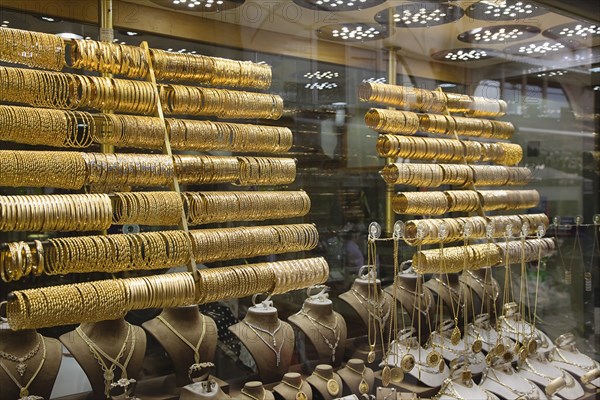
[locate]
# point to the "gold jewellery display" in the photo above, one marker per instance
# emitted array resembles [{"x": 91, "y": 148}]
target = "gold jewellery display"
[
  {"x": 151, "y": 250},
  {"x": 35, "y": 49},
  {"x": 113, "y": 298}
]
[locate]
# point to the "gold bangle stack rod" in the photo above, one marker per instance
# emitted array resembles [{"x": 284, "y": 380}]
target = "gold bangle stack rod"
[{"x": 167, "y": 150}]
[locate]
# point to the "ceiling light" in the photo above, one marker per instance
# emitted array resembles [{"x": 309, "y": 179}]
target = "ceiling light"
[
  {"x": 464, "y": 54},
  {"x": 597, "y": 88},
  {"x": 503, "y": 10},
  {"x": 499, "y": 34},
  {"x": 573, "y": 30},
  {"x": 321, "y": 75},
  {"x": 352, "y": 32},
  {"x": 69, "y": 35},
  {"x": 338, "y": 5},
  {"x": 374, "y": 80},
  {"x": 447, "y": 85},
  {"x": 200, "y": 5},
  {"x": 536, "y": 49},
  {"x": 552, "y": 73},
  {"x": 420, "y": 15},
  {"x": 48, "y": 19},
  {"x": 130, "y": 33},
  {"x": 595, "y": 69},
  {"x": 321, "y": 86}
]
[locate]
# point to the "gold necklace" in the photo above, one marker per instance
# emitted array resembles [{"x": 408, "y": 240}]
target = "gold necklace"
[
  {"x": 334, "y": 329},
  {"x": 300, "y": 395},
  {"x": 264, "y": 394},
  {"x": 24, "y": 390},
  {"x": 196, "y": 348},
  {"x": 525, "y": 395},
  {"x": 363, "y": 386},
  {"x": 98, "y": 353},
  {"x": 333, "y": 388},
  {"x": 21, "y": 365}
]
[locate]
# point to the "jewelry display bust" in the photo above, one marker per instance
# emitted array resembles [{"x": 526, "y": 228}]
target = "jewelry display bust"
[
  {"x": 325, "y": 329},
  {"x": 405, "y": 292},
  {"x": 484, "y": 290},
  {"x": 269, "y": 340},
  {"x": 568, "y": 357},
  {"x": 449, "y": 288},
  {"x": 555, "y": 381},
  {"x": 326, "y": 383},
  {"x": 293, "y": 387},
  {"x": 172, "y": 326},
  {"x": 91, "y": 343},
  {"x": 30, "y": 363},
  {"x": 255, "y": 390},
  {"x": 203, "y": 390},
  {"x": 357, "y": 378}
]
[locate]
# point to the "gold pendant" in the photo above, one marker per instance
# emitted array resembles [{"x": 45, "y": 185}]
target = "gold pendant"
[
  {"x": 499, "y": 349},
  {"x": 363, "y": 387},
  {"x": 477, "y": 346},
  {"x": 433, "y": 358},
  {"x": 371, "y": 356},
  {"x": 523, "y": 354},
  {"x": 23, "y": 392},
  {"x": 441, "y": 366},
  {"x": 301, "y": 396},
  {"x": 532, "y": 346},
  {"x": 333, "y": 387},
  {"x": 455, "y": 337},
  {"x": 386, "y": 376},
  {"x": 407, "y": 363},
  {"x": 489, "y": 358},
  {"x": 508, "y": 356},
  {"x": 397, "y": 375}
]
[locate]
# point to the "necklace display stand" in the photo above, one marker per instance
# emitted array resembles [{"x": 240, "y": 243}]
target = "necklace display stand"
[
  {"x": 483, "y": 289},
  {"x": 538, "y": 369},
  {"x": 293, "y": 387},
  {"x": 254, "y": 390},
  {"x": 114, "y": 338},
  {"x": 482, "y": 329},
  {"x": 198, "y": 331},
  {"x": 566, "y": 356},
  {"x": 442, "y": 343},
  {"x": 357, "y": 378},
  {"x": 358, "y": 300},
  {"x": 324, "y": 328},
  {"x": 503, "y": 381},
  {"x": 326, "y": 384},
  {"x": 514, "y": 327},
  {"x": 203, "y": 390},
  {"x": 269, "y": 340},
  {"x": 31, "y": 359},
  {"x": 460, "y": 385},
  {"x": 448, "y": 288}
]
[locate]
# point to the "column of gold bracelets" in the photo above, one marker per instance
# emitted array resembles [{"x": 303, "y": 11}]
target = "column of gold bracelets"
[
  {"x": 448, "y": 150},
  {"x": 48, "y": 127},
  {"x": 98, "y": 300},
  {"x": 152, "y": 250},
  {"x": 529, "y": 250},
  {"x": 438, "y": 203},
  {"x": 434, "y": 175},
  {"x": 266, "y": 171},
  {"x": 210, "y": 207},
  {"x": 35, "y": 49},
  {"x": 111, "y": 58},
  {"x": 113, "y": 298},
  {"x": 222, "y": 103},
  {"x": 61, "y": 212},
  {"x": 455, "y": 227},
  {"x": 455, "y": 259},
  {"x": 147, "y": 208}
]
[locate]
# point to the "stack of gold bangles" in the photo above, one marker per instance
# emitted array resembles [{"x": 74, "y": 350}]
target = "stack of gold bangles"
[
  {"x": 457, "y": 259},
  {"x": 434, "y": 175},
  {"x": 113, "y": 298},
  {"x": 111, "y": 58},
  {"x": 438, "y": 203},
  {"x": 448, "y": 150},
  {"x": 151, "y": 250},
  {"x": 455, "y": 227},
  {"x": 35, "y": 49}
]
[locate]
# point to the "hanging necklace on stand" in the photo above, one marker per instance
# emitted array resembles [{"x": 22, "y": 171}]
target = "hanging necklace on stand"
[
  {"x": 273, "y": 347},
  {"x": 333, "y": 329},
  {"x": 195, "y": 348},
  {"x": 300, "y": 395},
  {"x": 363, "y": 386},
  {"x": 21, "y": 361},
  {"x": 24, "y": 390},
  {"x": 98, "y": 353},
  {"x": 264, "y": 394}
]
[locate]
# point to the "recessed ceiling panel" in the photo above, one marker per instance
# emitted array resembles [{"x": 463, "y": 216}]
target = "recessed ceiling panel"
[
  {"x": 503, "y": 10},
  {"x": 420, "y": 15},
  {"x": 499, "y": 34},
  {"x": 352, "y": 32},
  {"x": 200, "y": 5},
  {"x": 338, "y": 5},
  {"x": 463, "y": 55}
]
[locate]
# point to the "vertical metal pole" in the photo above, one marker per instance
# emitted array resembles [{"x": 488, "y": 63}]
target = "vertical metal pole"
[
  {"x": 105, "y": 22},
  {"x": 390, "y": 188}
]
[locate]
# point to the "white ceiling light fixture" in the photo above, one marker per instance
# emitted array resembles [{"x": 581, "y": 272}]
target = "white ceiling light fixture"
[
  {"x": 200, "y": 5},
  {"x": 338, "y": 5},
  {"x": 69, "y": 35},
  {"x": 573, "y": 30},
  {"x": 420, "y": 14},
  {"x": 499, "y": 34},
  {"x": 463, "y": 55},
  {"x": 552, "y": 73},
  {"x": 374, "y": 80},
  {"x": 537, "y": 49},
  {"x": 504, "y": 10},
  {"x": 321, "y": 75},
  {"x": 321, "y": 86},
  {"x": 352, "y": 32}
]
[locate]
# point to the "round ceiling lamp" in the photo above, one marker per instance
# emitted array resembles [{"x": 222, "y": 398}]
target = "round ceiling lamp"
[
  {"x": 504, "y": 10},
  {"x": 463, "y": 55},
  {"x": 499, "y": 34},
  {"x": 200, "y": 5},
  {"x": 352, "y": 32},
  {"x": 338, "y": 5},
  {"x": 420, "y": 14}
]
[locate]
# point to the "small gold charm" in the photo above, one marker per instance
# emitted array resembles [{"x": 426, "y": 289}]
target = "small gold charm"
[
  {"x": 455, "y": 337},
  {"x": 499, "y": 349},
  {"x": 301, "y": 396},
  {"x": 532, "y": 346},
  {"x": 441, "y": 366},
  {"x": 508, "y": 356},
  {"x": 333, "y": 387},
  {"x": 386, "y": 376},
  {"x": 371, "y": 357},
  {"x": 397, "y": 375},
  {"x": 363, "y": 387},
  {"x": 433, "y": 358},
  {"x": 24, "y": 392},
  {"x": 489, "y": 358},
  {"x": 407, "y": 363},
  {"x": 477, "y": 345},
  {"x": 523, "y": 353}
]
